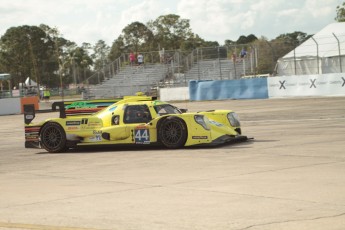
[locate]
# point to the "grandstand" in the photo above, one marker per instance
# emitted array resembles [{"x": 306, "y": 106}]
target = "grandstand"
[
  {"x": 218, "y": 69},
  {"x": 128, "y": 80}
]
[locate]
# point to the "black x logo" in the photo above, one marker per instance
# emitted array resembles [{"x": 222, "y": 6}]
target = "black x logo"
[
  {"x": 312, "y": 83},
  {"x": 282, "y": 85},
  {"x": 343, "y": 81}
]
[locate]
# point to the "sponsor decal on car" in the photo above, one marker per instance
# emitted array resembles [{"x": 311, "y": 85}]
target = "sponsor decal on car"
[
  {"x": 94, "y": 124},
  {"x": 199, "y": 137},
  {"x": 73, "y": 128},
  {"x": 29, "y": 117},
  {"x": 72, "y": 123},
  {"x": 97, "y": 137}
]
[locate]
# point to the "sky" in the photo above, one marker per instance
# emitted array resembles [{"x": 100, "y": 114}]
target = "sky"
[{"x": 213, "y": 20}]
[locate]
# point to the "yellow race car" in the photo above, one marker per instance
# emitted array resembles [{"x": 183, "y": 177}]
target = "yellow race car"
[{"x": 134, "y": 120}]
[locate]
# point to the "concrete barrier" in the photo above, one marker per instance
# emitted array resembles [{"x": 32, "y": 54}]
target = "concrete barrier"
[
  {"x": 10, "y": 106},
  {"x": 174, "y": 94}
]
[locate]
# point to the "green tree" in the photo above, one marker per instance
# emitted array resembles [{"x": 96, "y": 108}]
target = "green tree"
[
  {"x": 170, "y": 31},
  {"x": 195, "y": 41},
  {"x": 51, "y": 65},
  {"x": 268, "y": 52},
  {"x": 340, "y": 10},
  {"x": 100, "y": 55},
  {"x": 284, "y": 43},
  {"x": 294, "y": 38},
  {"x": 137, "y": 37},
  {"x": 246, "y": 39},
  {"x": 62, "y": 55},
  {"x": 85, "y": 61},
  {"x": 23, "y": 53},
  {"x": 76, "y": 61},
  {"x": 265, "y": 56},
  {"x": 229, "y": 43},
  {"x": 117, "y": 48}
]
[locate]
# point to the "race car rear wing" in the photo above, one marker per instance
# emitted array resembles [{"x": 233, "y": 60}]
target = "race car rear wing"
[
  {"x": 29, "y": 113},
  {"x": 61, "y": 106}
]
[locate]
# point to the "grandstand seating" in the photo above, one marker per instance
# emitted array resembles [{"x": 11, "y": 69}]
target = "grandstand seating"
[
  {"x": 129, "y": 80},
  {"x": 149, "y": 77},
  {"x": 223, "y": 69}
]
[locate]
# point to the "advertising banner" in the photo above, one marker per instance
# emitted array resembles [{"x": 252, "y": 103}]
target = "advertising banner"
[{"x": 306, "y": 85}]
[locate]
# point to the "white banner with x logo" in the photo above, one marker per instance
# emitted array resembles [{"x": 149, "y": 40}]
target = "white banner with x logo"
[{"x": 306, "y": 85}]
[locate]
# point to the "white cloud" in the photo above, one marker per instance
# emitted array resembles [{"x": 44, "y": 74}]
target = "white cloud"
[
  {"x": 92, "y": 20},
  {"x": 320, "y": 8}
]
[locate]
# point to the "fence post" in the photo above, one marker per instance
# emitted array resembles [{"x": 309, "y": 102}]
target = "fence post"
[
  {"x": 219, "y": 63},
  {"x": 244, "y": 66},
  {"x": 294, "y": 60},
  {"x": 197, "y": 60},
  {"x": 317, "y": 55},
  {"x": 340, "y": 64},
  {"x": 252, "y": 59}
]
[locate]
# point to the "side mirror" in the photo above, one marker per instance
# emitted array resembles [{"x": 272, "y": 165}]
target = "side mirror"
[{"x": 183, "y": 110}]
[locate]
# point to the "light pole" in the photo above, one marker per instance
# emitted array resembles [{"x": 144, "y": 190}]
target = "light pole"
[
  {"x": 84, "y": 64},
  {"x": 61, "y": 75},
  {"x": 34, "y": 63},
  {"x": 74, "y": 71}
]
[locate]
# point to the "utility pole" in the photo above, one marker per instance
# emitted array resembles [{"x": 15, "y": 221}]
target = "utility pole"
[{"x": 35, "y": 66}]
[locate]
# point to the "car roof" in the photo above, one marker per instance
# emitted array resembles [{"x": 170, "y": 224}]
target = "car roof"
[
  {"x": 137, "y": 100},
  {"x": 130, "y": 100}
]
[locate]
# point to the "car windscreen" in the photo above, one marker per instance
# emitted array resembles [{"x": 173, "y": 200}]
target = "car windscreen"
[{"x": 166, "y": 109}]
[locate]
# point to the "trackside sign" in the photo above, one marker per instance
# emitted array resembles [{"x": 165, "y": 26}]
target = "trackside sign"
[{"x": 306, "y": 85}]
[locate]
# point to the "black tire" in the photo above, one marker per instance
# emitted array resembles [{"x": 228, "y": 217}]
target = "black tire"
[
  {"x": 173, "y": 133},
  {"x": 53, "y": 138}
]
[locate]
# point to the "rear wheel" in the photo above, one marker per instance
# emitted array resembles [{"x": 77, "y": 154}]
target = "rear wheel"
[
  {"x": 53, "y": 138},
  {"x": 173, "y": 133}
]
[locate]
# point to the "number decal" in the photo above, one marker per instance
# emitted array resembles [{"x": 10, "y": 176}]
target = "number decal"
[
  {"x": 98, "y": 137},
  {"x": 142, "y": 136}
]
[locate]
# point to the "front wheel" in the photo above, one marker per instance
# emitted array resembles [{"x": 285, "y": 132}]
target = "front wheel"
[
  {"x": 173, "y": 133},
  {"x": 53, "y": 138}
]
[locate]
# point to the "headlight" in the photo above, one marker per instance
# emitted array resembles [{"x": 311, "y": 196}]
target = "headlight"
[
  {"x": 200, "y": 119},
  {"x": 234, "y": 119}
]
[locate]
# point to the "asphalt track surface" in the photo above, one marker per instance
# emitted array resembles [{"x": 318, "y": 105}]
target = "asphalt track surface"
[{"x": 291, "y": 176}]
